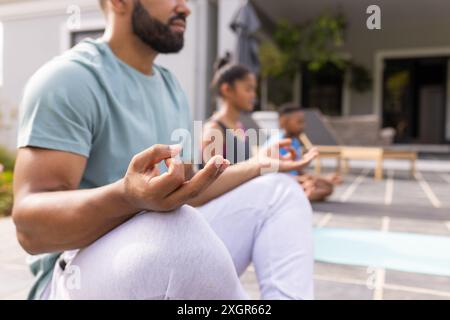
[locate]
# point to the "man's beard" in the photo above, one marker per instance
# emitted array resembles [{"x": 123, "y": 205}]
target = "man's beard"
[{"x": 156, "y": 34}]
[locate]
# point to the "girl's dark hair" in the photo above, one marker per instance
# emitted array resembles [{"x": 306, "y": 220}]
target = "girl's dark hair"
[{"x": 226, "y": 72}]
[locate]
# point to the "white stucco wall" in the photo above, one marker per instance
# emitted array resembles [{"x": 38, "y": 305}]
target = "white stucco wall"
[
  {"x": 185, "y": 65},
  {"x": 29, "y": 42}
]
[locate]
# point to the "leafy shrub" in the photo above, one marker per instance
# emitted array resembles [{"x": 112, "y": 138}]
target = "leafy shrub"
[
  {"x": 7, "y": 159},
  {"x": 6, "y": 193}
]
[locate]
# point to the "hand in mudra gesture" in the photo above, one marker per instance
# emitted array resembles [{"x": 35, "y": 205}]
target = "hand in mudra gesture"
[{"x": 270, "y": 159}]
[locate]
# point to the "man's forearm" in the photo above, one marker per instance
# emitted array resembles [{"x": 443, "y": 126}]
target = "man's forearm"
[
  {"x": 65, "y": 220},
  {"x": 233, "y": 177}
]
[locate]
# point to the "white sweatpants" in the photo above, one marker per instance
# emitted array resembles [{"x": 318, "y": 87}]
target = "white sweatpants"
[{"x": 199, "y": 253}]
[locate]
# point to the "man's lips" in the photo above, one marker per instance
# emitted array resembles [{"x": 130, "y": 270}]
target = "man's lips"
[{"x": 178, "y": 25}]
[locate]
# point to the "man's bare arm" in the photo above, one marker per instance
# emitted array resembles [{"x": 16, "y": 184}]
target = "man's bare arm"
[
  {"x": 265, "y": 162},
  {"x": 233, "y": 177},
  {"x": 51, "y": 215}
]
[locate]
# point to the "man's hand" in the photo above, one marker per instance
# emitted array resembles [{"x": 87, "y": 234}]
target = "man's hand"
[
  {"x": 146, "y": 189},
  {"x": 270, "y": 160},
  {"x": 52, "y": 215}
]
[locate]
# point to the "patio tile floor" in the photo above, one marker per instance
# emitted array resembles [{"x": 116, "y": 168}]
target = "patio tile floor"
[{"x": 362, "y": 206}]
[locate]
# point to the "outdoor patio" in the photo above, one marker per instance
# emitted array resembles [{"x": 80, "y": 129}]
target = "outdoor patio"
[{"x": 396, "y": 204}]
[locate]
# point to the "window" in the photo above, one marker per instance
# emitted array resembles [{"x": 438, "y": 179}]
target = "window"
[
  {"x": 323, "y": 90},
  {"x": 78, "y": 36}
]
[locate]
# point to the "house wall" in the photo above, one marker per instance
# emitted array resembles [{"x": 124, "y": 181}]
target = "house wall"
[
  {"x": 409, "y": 28},
  {"x": 405, "y": 27},
  {"x": 226, "y": 38}
]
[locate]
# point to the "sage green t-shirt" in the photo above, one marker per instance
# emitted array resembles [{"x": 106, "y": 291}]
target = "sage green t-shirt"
[{"x": 90, "y": 103}]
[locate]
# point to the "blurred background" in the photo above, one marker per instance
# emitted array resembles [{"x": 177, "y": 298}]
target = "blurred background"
[{"x": 373, "y": 76}]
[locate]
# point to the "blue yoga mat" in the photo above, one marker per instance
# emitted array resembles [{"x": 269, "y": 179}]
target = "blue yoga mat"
[{"x": 407, "y": 252}]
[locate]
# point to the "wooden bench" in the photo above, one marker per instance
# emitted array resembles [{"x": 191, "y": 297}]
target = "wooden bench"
[
  {"x": 343, "y": 154},
  {"x": 378, "y": 155}
]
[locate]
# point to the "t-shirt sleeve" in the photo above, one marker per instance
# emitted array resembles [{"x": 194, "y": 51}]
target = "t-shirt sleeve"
[{"x": 58, "y": 109}]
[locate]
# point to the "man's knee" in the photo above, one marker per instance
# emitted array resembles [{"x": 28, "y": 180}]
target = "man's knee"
[
  {"x": 181, "y": 232},
  {"x": 175, "y": 252},
  {"x": 279, "y": 183},
  {"x": 275, "y": 179}
]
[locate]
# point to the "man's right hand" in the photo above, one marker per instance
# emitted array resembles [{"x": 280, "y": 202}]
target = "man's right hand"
[{"x": 146, "y": 189}]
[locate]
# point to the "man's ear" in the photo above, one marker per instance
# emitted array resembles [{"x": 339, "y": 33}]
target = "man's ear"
[{"x": 121, "y": 6}]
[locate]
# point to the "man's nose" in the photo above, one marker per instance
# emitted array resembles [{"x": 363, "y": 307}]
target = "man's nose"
[{"x": 182, "y": 7}]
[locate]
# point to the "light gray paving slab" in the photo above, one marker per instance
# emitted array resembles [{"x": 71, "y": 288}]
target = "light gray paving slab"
[
  {"x": 421, "y": 226},
  {"x": 340, "y": 271},
  {"x": 369, "y": 191},
  {"x": 340, "y": 189},
  {"x": 14, "y": 280},
  {"x": 408, "y": 192},
  {"x": 408, "y": 295},
  {"x": 417, "y": 280},
  {"x": 354, "y": 222},
  {"x": 329, "y": 290},
  {"x": 439, "y": 186},
  {"x": 380, "y": 210}
]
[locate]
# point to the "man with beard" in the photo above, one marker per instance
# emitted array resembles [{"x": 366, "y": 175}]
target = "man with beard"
[{"x": 108, "y": 206}]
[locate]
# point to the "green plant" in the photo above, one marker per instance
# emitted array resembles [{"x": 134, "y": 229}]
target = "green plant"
[
  {"x": 272, "y": 60},
  {"x": 6, "y": 193},
  {"x": 313, "y": 45},
  {"x": 7, "y": 159},
  {"x": 396, "y": 85},
  {"x": 6, "y": 181}
]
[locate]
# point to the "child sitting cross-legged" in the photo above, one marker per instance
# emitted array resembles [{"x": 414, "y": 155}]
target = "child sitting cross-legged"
[{"x": 292, "y": 125}]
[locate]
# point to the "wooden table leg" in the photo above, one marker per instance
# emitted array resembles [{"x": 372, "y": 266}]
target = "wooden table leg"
[
  {"x": 345, "y": 165},
  {"x": 379, "y": 169},
  {"x": 413, "y": 167},
  {"x": 318, "y": 168},
  {"x": 338, "y": 165}
]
